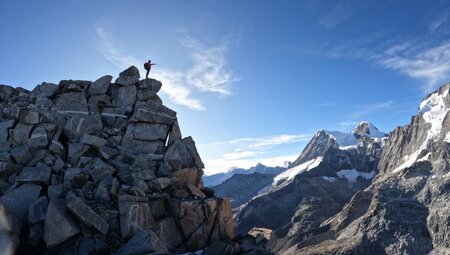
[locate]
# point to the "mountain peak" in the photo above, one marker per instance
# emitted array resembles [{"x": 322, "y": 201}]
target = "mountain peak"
[{"x": 367, "y": 129}]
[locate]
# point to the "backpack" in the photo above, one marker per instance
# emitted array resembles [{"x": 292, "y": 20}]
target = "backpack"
[{"x": 147, "y": 66}]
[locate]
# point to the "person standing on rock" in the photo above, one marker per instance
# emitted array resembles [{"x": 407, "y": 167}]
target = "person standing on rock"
[{"x": 148, "y": 67}]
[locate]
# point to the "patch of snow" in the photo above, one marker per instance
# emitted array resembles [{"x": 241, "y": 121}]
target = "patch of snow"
[
  {"x": 408, "y": 161},
  {"x": 292, "y": 172},
  {"x": 352, "y": 174},
  {"x": 343, "y": 139},
  {"x": 447, "y": 138},
  {"x": 433, "y": 111},
  {"x": 329, "y": 179},
  {"x": 346, "y": 148}
]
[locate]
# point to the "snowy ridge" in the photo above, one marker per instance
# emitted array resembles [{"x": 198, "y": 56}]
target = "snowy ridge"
[
  {"x": 291, "y": 173},
  {"x": 433, "y": 110}
]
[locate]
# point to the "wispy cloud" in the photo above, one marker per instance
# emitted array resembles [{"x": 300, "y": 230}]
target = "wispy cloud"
[
  {"x": 429, "y": 63},
  {"x": 361, "y": 111},
  {"x": 440, "y": 22},
  {"x": 249, "y": 150},
  {"x": 207, "y": 74},
  {"x": 337, "y": 15}
]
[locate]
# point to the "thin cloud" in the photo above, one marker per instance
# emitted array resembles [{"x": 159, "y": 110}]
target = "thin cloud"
[
  {"x": 172, "y": 80},
  {"x": 250, "y": 147},
  {"x": 209, "y": 72},
  {"x": 441, "y": 22},
  {"x": 431, "y": 64},
  {"x": 362, "y": 110},
  {"x": 339, "y": 14}
]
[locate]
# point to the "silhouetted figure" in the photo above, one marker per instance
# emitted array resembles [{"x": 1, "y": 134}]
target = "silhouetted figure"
[{"x": 148, "y": 67}]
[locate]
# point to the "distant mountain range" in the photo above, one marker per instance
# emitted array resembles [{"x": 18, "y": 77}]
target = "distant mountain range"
[{"x": 216, "y": 179}]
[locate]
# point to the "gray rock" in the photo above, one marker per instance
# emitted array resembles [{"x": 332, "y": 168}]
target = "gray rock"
[
  {"x": 128, "y": 77},
  {"x": 161, "y": 183},
  {"x": 32, "y": 117},
  {"x": 108, "y": 152},
  {"x": 175, "y": 133},
  {"x": 54, "y": 191},
  {"x": 164, "y": 170},
  {"x": 21, "y": 133},
  {"x": 102, "y": 191},
  {"x": 135, "y": 215},
  {"x": 37, "y": 210},
  {"x": 38, "y": 139},
  {"x": 143, "y": 242},
  {"x": 58, "y": 224},
  {"x": 100, "y": 170},
  {"x": 75, "y": 177},
  {"x": 4, "y": 127},
  {"x": 44, "y": 90},
  {"x": 22, "y": 155},
  {"x": 190, "y": 145},
  {"x": 150, "y": 132},
  {"x": 72, "y": 103},
  {"x": 75, "y": 151},
  {"x": 92, "y": 140},
  {"x": 16, "y": 203},
  {"x": 7, "y": 169},
  {"x": 178, "y": 156},
  {"x": 124, "y": 98},
  {"x": 87, "y": 216},
  {"x": 100, "y": 86},
  {"x": 56, "y": 147},
  {"x": 89, "y": 245},
  {"x": 79, "y": 125},
  {"x": 39, "y": 175}
]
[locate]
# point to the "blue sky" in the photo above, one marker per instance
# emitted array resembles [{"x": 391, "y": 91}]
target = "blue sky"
[{"x": 251, "y": 81}]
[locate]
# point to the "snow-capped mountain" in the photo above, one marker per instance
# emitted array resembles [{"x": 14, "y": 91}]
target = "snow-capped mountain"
[
  {"x": 406, "y": 209},
  {"x": 332, "y": 167}
]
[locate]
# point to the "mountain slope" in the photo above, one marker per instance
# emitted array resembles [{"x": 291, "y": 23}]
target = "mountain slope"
[
  {"x": 406, "y": 209},
  {"x": 322, "y": 179},
  {"x": 241, "y": 188}
]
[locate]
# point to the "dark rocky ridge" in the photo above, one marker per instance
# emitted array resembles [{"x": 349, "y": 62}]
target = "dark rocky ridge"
[
  {"x": 406, "y": 210},
  {"x": 101, "y": 166}
]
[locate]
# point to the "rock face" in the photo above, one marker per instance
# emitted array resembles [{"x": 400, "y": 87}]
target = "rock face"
[
  {"x": 101, "y": 166},
  {"x": 331, "y": 168},
  {"x": 406, "y": 209}
]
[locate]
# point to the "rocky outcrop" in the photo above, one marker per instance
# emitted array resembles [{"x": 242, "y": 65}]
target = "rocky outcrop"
[
  {"x": 406, "y": 209},
  {"x": 102, "y": 167},
  {"x": 332, "y": 167}
]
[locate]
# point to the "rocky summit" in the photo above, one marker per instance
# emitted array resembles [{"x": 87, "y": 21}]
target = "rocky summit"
[{"x": 101, "y": 168}]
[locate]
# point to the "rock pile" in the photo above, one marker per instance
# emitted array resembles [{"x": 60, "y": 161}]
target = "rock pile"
[{"x": 101, "y": 166}]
